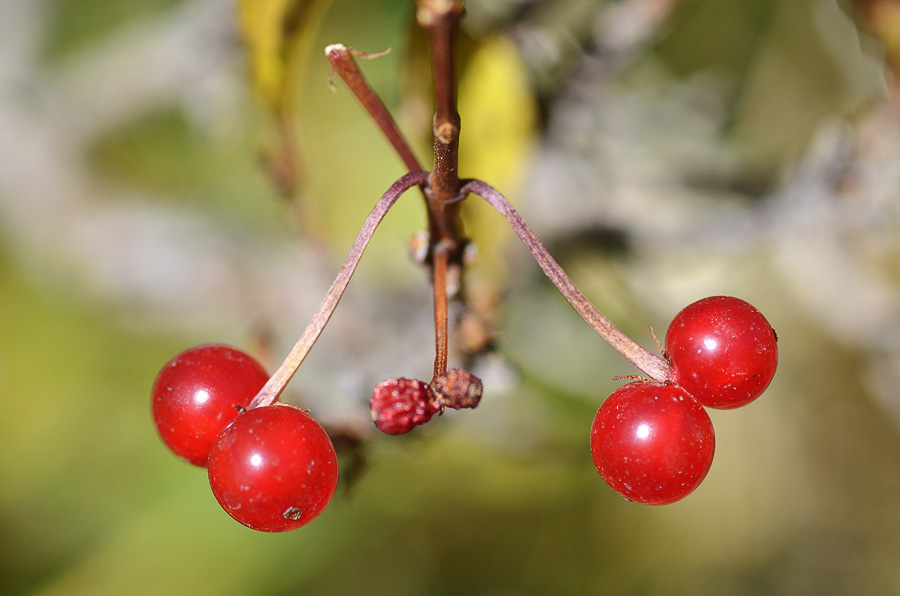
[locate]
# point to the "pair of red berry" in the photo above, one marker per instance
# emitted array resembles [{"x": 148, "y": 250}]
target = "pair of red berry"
[
  {"x": 272, "y": 468},
  {"x": 654, "y": 442}
]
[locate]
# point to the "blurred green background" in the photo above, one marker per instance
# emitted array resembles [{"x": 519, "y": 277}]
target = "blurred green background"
[{"x": 664, "y": 150}]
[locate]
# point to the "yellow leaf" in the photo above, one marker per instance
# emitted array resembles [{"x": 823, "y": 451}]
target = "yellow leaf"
[
  {"x": 498, "y": 114},
  {"x": 276, "y": 33}
]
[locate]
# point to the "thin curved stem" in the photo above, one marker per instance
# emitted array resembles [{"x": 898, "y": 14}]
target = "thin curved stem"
[
  {"x": 277, "y": 382},
  {"x": 651, "y": 364}
]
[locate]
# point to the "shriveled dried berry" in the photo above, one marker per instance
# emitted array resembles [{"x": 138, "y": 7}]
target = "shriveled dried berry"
[
  {"x": 399, "y": 405},
  {"x": 457, "y": 389}
]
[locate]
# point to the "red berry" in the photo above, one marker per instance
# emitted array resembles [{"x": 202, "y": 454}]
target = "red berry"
[
  {"x": 399, "y": 405},
  {"x": 195, "y": 394},
  {"x": 273, "y": 468},
  {"x": 652, "y": 443},
  {"x": 723, "y": 351}
]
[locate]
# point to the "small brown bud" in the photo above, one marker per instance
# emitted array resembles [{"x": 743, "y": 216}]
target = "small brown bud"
[{"x": 457, "y": 389}]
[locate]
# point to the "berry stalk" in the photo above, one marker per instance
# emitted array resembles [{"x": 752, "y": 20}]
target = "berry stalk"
[
  {"x": 651, "y": 364},
  {"x": 276, "y": 384}
]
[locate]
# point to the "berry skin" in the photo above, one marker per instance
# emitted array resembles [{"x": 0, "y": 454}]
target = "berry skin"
[
  {"x": 652, "y": 443},
  {"x": 722, "y": 351},
  {"x": 195, "y": 394},
  {"x": 273, "y": 468},
  {"x": 399, "y": 405}
]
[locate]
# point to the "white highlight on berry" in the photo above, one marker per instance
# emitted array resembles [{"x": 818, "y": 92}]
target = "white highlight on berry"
[{"x": 643, "y": 431}]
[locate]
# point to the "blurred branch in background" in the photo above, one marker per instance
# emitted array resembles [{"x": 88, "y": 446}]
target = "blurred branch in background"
[{"x": 663, "y": 150}]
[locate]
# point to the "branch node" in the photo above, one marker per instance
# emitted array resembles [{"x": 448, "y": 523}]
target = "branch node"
[{"x": 446, "y": 133}]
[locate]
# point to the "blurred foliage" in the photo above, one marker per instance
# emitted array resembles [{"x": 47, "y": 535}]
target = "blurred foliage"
[
  {"x": 277, "y": 36},
  {"x": 275, "y": 33},
  {"x": 160, "y": 153},
  {"x": 72, "y": 24},
  {"x": 664, "y": 150}
]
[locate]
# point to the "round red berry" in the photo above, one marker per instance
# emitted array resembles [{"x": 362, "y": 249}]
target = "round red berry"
[
  {"x": 399, "y": 405},
  {"x": 722, "y": 351},
  {"x": 195, "y": 394},
  {"x": 652, "y": 443},
  {"x": 273, "y": 468}
]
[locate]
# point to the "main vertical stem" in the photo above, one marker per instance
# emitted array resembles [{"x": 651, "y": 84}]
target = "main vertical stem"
[
  {"x": 439, "y": 262},
  {"x": 442, "y": 30},
  {"x": 440, "y": 18}
]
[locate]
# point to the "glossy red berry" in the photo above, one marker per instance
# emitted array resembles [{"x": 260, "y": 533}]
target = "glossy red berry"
[
  {"x": 652, "y": 443},
  {"x": 195, "y": 394},
  {"x": 722, "y": 351},
  {"x": 273, "y": 468},
  {"x": 399, "y": 405}
]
